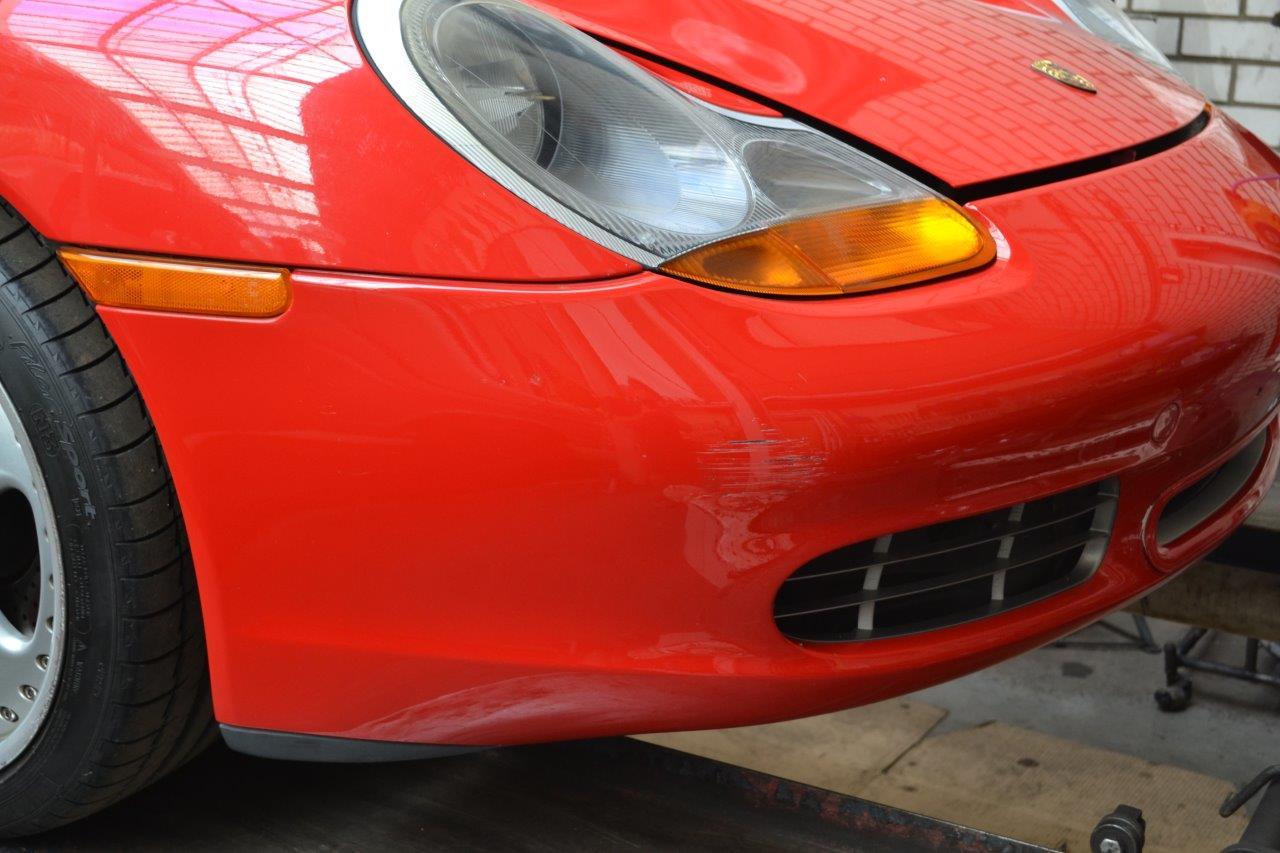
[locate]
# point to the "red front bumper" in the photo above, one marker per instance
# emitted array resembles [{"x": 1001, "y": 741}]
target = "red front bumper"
[{"x": 489, "y": 514}]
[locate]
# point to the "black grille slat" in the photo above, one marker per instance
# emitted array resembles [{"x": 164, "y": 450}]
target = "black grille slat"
[
  {"x": 948, "y": 573},
  {"x": 985, "y": 570},
  {"x": 1002, "y": 531}
]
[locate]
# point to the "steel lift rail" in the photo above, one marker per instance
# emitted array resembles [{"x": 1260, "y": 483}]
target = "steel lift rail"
[
  {"x": 583, "y": 796},
  {"x": 588, "y": 795}
]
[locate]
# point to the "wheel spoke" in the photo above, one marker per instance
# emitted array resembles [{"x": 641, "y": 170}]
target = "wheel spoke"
[{"x": 14, "y": 470}]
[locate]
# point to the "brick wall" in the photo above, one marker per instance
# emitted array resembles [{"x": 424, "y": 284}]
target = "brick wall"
[{"x": 1228, "y": 48}]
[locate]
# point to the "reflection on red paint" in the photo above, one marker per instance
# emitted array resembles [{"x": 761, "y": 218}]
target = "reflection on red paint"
[
  {"x": 1257, "y": 200},
  {"x": 458, "y": 507},
  {"x": 569, "y": 507},
  {"x": 904, "y": 74},
  {"x": 247, "y": 130}
]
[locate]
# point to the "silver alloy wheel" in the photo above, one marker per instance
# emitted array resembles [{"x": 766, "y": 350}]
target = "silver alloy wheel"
[{"x": 32, "y": 590}]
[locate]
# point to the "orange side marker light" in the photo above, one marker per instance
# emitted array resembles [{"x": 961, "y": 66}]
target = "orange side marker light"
[{"x": 184, "y": 287}]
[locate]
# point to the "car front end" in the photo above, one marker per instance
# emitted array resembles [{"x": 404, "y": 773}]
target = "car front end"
[{"x": 518, "y": 458}]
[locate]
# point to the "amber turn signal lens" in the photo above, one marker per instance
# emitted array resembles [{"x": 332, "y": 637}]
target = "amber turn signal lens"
[
  {"x": 187, "y": 287},
  {"x": 849, "y": 251}
]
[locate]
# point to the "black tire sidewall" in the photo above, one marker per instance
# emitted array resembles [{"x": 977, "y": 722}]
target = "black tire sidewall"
[{"x": 78, "y": 497}]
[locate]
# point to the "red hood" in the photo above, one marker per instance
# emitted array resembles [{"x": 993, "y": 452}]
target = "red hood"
[{"x": 944, "y": 84}]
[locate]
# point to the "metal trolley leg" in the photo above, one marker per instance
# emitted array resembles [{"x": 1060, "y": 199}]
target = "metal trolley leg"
[{"x": 1180, "y": 656}]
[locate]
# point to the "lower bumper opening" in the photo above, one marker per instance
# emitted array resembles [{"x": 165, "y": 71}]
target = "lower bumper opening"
[
  {"x": 949, "y": 573},
  {"x": 1209, "y": 495}
]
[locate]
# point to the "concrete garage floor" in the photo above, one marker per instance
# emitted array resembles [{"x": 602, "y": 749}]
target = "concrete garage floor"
[
  {"x": 1102, "y": 697},
  {"x": 1040, "y": 747}
]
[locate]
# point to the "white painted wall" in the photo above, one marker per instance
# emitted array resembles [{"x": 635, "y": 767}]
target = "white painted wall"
[{"x": 1228, "y": 48}]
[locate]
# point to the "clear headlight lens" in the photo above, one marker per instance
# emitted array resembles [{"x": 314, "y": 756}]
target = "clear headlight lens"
[
  {"x": 1106, "y": 20},
  {"x": 749, "y": 202}
]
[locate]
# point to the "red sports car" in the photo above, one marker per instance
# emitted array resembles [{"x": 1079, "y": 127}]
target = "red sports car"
[{"x": 386, "y": 378}]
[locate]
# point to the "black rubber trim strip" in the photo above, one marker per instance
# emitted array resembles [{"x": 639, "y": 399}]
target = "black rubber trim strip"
[
  {"x": 962, "y": 194},
  {"x": 286, "y": 746},
  {"x": 1080, "y": 168}
]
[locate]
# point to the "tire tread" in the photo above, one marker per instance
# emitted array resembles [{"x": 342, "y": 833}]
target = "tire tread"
[{"x": 160, "y": 710}]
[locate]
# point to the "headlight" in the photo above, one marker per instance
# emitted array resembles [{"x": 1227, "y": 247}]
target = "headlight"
[
  {"x": 1104, "y": 19},
  {"x": 751, "y": 203}
]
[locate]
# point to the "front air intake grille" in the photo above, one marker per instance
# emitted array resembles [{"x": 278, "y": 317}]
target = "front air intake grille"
[{"x": 948, "y": 573}]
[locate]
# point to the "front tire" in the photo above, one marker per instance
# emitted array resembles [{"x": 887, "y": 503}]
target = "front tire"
[{"x": 116, "y": 616}]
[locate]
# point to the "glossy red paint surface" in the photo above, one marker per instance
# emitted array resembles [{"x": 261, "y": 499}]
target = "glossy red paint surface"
[
  {"x": 254, "y": 129},
  {"x": 247, "y": 130},
  {"x": 495, "y": 513},
  {"x": 944, "y": 84}
]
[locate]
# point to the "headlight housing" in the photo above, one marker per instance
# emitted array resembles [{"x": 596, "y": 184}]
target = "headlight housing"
[
  {"x": 1106, "y": 20},
  {"x": 742, "y": 201}
]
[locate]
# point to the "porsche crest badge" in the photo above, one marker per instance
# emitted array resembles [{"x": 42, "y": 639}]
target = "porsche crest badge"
[{"x": 1063, "y": 75}]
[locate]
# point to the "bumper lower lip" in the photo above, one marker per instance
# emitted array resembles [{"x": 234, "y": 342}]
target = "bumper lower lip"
[{"x": 482, "y": 513}]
